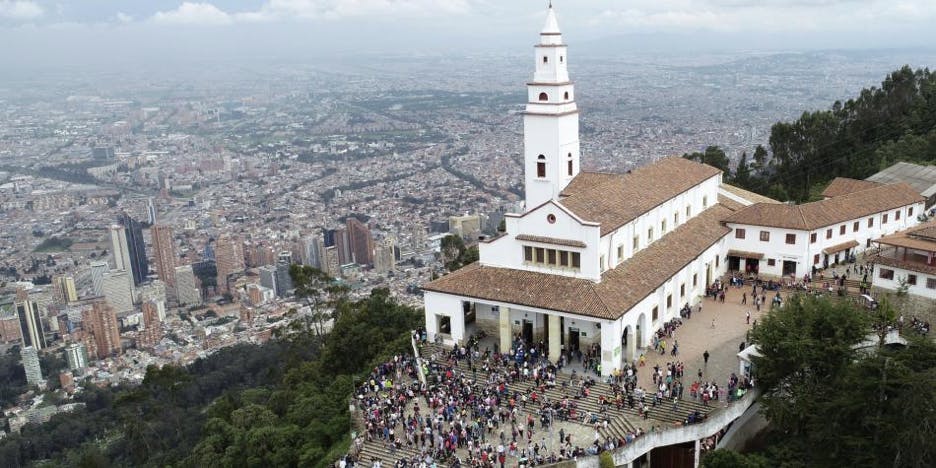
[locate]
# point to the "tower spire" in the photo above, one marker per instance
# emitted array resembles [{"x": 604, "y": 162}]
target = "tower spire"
[{"x": 550, "y": 123}]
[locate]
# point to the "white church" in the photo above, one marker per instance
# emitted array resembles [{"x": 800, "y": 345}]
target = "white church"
[{"x": 606, "y": 258}]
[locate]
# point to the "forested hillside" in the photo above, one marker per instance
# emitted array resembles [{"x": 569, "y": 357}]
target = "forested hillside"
[
  {"x": 284, "y": 403},
  {"x": 883, "y": 125}
]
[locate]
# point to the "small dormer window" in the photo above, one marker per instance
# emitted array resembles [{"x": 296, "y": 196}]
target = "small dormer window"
[
  {"x": 543, "y": 97},
  {"x": 541, "y": 167}
]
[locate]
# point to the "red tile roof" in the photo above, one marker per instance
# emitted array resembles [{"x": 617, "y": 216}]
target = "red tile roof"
[
  {"x": 620, "y": 289},
  {"x": 616, "y": 199}
]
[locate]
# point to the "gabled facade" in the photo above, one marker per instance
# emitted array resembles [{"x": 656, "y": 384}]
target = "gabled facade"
[{"x": 595, "y": 259}]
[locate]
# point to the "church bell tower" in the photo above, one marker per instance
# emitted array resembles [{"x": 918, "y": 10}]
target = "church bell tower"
[{"x": 551, "y": 121}]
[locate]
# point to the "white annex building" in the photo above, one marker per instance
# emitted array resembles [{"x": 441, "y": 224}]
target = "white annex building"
[{"x": 606, "y": 259}]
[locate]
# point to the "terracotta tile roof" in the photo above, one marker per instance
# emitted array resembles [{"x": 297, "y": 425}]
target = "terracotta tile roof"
[
  {"x": 620, "y": 289},
  {"x": 743, "y": 254},
  {"x": 747, "y": 194},
  {"x": 551, "y": 240},
  {"x": 840, "y": 247},
  {"x": 815, "y": 215},
  {"x": 922, "y": 237},
  {"x": 843, "y": 185},
  {"x": 729, "y": 203},
  {"x": 616, "y": 199},
  {"x": 926, "y": 231},
  {"x": 887, "y": 260}
]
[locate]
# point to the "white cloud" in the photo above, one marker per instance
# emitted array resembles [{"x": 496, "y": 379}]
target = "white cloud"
[
  {"x": 123, "y": 18},
  {"x": 194, "y": 13},
  {"x": 20, "y": 9},
  {"x": 285, "y": 10},
  {"x": 766, "y": 15}
]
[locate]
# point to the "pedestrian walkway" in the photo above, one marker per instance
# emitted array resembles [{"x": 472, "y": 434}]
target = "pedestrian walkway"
[{"x": 696, "y": 336}]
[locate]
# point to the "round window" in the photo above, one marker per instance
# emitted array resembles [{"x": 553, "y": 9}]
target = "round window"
[{"x": 551, "y": 218}]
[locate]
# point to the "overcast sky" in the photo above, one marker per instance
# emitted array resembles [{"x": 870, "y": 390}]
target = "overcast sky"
[{"x": 52, "y": 31}]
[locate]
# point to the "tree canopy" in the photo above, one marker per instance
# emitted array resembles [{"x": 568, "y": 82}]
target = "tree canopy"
[
  {"x": 856, "y": 138},
  {"x": 831, "y": 404}
]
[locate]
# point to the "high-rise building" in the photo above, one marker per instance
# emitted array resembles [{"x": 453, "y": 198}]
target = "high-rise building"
[
  {"x": 9, "y": 328},
  {"x": 314, "y": 248},
  {"x": 342, "y": 242},
  {"x": 155, "y": 292},
  {"x": 136, "y": 248},
  {"x": 164, "y": 254},
  {"x": 276, "y": 277},
  {"x": 118, "y": 290},
  {"x": 101, "y": 323},
  {"x": 362, "y": 242},
  {"x": 63, "y": 289},
  {"x": 152, "y": 332},
  {"x": 229, "y": 257},
  {"x": 283, "y": 279},
  {"x": 467, "y": 226},
  {"x": 30, "y": 358},
  {"x": 187, "y": 291},
  {"x": 150, "y": 212},
  {"x": 98, "y": 269},
  {"x": 385, "y": 258},
  {"x": 268, "y": 276},
  {"x": 76, "y": 354},
  {"x": 30, "y": 322},
  {"x": 332, "y": 265},
  {"x": 120, "y": 250}
]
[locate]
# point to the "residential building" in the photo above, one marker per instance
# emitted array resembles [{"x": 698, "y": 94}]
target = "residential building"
[
  {"x": 76, "y": 354},
  {"x": 362, "y": 242},
  {"x": 776, "y": 239},
  {"x": 907, "y": 259},
  {"x": 164, "y": 254},
  {"x": 187, "y": 291},
  {"x": 98, "y": 269},
  {"x": 118, "y": 290},
  {"x": 100, "y": 321},
  {"x": 135, "y": 255},
  {"x": 229, "y": 257},
  {"x": 30, "y": 322},
  {"x": 30, "y": 358}
]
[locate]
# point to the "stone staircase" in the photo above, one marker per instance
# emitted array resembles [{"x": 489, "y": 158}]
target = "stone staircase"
[{"x": 620, "y": 421}]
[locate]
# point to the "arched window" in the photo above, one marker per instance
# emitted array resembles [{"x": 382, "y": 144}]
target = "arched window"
[
  {"x": 545, "y": 59},
  {"x": 569, "y": 164},
  {"x": 560, "y": 59},
  {"x": 541, "y": 166},
  {"x": 543, "y": 97},
  {"x": 566, "y": 96}
]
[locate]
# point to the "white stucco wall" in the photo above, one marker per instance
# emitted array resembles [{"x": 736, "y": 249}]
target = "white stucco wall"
[
  {"x": 803, "y": 252},
  {"x": 919, "y": 289},
  {"x": 507, "y": 251}
]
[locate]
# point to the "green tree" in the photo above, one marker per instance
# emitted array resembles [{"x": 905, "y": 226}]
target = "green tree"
[
  {"x": 713, "y": 156},
  {"x": 805, "y": 347},
  {"x": 320, "y": 292},
  {"x": 724, "y": 458},
  {"x": 742, "y": 176},
  {"x": 831, "y": 404}
]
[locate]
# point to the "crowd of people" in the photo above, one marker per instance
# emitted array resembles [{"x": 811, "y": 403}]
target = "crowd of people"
[{"x": 478, "y": 412}]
